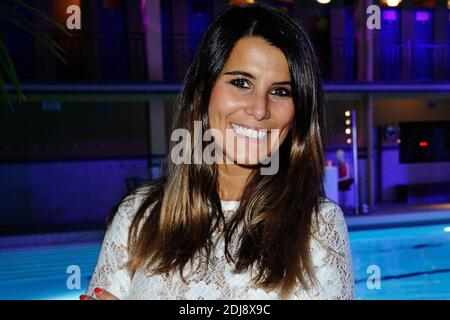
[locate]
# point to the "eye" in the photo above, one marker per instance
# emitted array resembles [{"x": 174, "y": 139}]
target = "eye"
[
  {"x": 240, "y": 83},
  {"x": 282, "y": 92}
]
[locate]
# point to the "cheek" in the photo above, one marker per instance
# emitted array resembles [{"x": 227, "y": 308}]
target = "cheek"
[
  {"x": 286, "y": 116},
  {"x": 215, "y": 107},
  {"x": 221, "y": 104},
  {"x": 285, "y": 119}
]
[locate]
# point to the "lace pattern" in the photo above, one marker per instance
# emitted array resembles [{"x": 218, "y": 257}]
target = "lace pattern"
[{"x": 330, "y": 253}]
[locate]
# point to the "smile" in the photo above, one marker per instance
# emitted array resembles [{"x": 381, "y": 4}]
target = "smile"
[{"x": 249, "y": 132}]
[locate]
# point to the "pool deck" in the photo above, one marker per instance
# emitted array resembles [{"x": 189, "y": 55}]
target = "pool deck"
[
  {"x": 50, "y": 239},
  {"x": 400, "y": 215}
]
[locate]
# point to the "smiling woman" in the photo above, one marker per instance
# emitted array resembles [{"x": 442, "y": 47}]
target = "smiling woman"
[
  {"x": 251, "y": 97},
  {"x": 230, "y": 231}
]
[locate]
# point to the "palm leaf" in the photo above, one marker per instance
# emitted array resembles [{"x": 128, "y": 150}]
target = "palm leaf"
[
  {"x": 41, "y": 15},
  {"x": 7, "y": 69},
  {"x": 25, "y": 25},
  {"x": 8, "y": 66}
]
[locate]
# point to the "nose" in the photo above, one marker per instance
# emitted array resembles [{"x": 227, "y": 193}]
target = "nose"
[{"x": 258, "y": 108}]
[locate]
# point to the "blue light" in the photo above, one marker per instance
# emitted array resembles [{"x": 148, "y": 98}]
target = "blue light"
[{"x": 422, "y": 16}]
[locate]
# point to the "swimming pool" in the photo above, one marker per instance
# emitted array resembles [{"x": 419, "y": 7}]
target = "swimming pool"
[{"x": 414, "y": 263}]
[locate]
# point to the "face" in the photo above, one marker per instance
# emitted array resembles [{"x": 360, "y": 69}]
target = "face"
[{"x": 250, "y": 101}]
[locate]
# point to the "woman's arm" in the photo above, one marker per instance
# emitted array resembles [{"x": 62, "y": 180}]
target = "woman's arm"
[
  {"x": 110, "y": 273},
  {"x": 331, "y": 256}
]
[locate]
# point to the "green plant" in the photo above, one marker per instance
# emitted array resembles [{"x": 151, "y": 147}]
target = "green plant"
[{"x": 7, "y": 69}]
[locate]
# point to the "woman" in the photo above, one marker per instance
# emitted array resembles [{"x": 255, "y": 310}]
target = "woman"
[{"x": 225, "y": 230}]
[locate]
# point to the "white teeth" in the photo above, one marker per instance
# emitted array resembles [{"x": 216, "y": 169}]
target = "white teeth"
[{"x": 251, "y": 133}]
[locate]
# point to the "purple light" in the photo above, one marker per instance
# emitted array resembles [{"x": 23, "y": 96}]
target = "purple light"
[
  {"x": 422, "y": 16},
  {"x": 144, "y": 16},
  {"x": 390, "y": 15}
]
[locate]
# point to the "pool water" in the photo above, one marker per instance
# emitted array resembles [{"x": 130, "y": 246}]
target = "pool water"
[
  {"x": 413, "y": 263},
  {"x": 41, "y": 273}
]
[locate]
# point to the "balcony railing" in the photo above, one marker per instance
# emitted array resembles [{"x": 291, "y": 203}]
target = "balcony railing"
[
  {"x": 396, "y": 62},
  {"x": 416, "y": 61},
  {"x": 122, "y": 57},
  {"x": 89, "y": 56}
]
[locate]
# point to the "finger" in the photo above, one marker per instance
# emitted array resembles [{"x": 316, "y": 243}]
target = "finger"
[
  {"x": 102, "y": 294},
  {"x": 85, "y": 297}
]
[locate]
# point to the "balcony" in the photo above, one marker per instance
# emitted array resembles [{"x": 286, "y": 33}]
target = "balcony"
[
  {"x": 406, "y": 61},
  {"x": 90, "y": 56},
  {"x": 396, "y": 62},
  {"x": 412, "y": 61},
  {"x": 100, "y": 57}
]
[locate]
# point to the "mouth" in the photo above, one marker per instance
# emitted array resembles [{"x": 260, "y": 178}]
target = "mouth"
[{"x": 250, "y": 133}]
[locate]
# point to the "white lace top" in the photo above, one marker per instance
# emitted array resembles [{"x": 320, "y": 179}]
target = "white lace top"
[{"x": 333, "y": 267}]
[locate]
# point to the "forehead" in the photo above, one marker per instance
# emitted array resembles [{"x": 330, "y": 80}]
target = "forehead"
[{"x": 257, "y": 56}]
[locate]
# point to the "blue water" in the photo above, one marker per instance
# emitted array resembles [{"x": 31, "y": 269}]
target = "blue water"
[{"x": 413, "y": 263}]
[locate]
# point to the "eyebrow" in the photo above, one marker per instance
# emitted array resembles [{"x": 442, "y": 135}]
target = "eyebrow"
[{"x": 249, "y": 75}]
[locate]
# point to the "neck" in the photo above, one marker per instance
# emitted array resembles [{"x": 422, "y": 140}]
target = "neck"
[{"x": 232, "y": 179}]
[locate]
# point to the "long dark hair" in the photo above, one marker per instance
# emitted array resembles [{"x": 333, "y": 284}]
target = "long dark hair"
[{"x": 180, "y": 209}]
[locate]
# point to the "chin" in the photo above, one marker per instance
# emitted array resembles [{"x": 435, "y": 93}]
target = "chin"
[{"x": 246, "y": 160}]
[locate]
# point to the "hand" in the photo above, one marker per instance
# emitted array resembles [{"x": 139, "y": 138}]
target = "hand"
[{"x": 100, "y": 294}]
